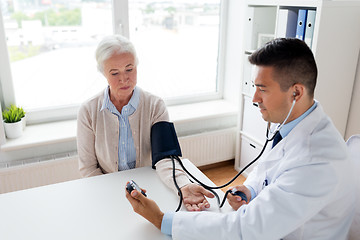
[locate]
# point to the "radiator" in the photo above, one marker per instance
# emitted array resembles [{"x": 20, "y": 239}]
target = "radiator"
[
  {"x": 200, "y": 149},
  {"x": 38, "y": 174},
  {"x": 209, "y": 147}
]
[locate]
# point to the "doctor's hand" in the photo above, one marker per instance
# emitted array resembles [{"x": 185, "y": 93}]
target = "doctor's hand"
[
  {"x": 145, "y": 207},
  {"x": 236, "y": 201},
  {"x": 194, "y": 197}
]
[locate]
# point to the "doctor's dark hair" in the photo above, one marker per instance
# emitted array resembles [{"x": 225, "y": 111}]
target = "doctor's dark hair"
[{"x": 292, "y": 60}]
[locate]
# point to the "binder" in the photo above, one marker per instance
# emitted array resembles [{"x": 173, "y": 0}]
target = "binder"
[
  {"x": 300, "y": 29},
  {"x": 309, "y": 29},
  {"x": 287, "y": 23}
]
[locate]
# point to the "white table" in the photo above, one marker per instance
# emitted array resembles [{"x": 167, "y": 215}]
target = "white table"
[{"x": 90, "y": 208}]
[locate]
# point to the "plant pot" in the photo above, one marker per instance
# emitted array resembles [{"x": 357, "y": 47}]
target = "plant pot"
[
  {"x": 23, "y": 120},
  {"x": 13, "y": 130}
]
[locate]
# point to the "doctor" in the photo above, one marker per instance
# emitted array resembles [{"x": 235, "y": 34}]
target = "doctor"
[{"x": 302, "y": 187}]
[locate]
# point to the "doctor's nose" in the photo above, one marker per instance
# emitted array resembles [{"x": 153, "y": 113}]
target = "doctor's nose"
[{"x": 256, "y": 97}]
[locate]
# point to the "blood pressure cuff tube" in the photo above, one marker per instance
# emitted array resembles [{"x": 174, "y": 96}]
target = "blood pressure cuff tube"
[{"x": 164, "y": 142}]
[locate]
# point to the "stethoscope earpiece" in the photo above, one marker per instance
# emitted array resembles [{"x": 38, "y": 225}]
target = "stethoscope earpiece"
[{"x": 277, "y": 128}]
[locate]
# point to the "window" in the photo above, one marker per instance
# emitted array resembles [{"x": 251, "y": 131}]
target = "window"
[
  {"x": 51, "y": 45},
  {"x": 177, "y": 44}
]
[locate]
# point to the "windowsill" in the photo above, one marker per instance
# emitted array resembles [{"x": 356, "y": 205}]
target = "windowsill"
[
  {"x": 42, "y": 134},
  {"x": 65, "y": 131}
]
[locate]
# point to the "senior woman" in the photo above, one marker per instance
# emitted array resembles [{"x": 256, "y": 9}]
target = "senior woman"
[{"x": 113, "y": 128}]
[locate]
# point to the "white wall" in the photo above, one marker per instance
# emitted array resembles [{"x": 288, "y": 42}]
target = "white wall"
[
  {"x": 233, "y": 44},
  {"x": 353, "y": 125}
]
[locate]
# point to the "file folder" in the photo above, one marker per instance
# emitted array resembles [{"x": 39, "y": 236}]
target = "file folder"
[
  {"x": 287, "y": 23},
  {"x": 309, "y": 29},
  {"x": 300, "y": 30}
]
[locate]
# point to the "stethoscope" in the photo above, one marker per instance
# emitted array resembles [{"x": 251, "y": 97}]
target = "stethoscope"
[
  {"x": 278, "y": 127},
  {"x": 211, "y": 189}
]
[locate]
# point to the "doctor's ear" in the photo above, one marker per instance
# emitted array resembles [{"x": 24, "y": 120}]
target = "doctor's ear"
[{"x": 298, "y": 91}]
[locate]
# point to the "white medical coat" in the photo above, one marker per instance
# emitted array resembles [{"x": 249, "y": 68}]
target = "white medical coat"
[{"x": 310, "y": 191}]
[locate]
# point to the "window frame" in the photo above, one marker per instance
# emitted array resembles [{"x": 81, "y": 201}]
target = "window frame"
[{"x": 120, "y": 15}]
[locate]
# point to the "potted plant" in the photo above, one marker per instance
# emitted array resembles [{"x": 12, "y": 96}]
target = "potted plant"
[
  {"x": 23, "y": 117},
  {"x": 14, "y": 118}
]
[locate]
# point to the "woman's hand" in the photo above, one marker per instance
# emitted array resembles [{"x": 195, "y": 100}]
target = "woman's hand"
[
  {"x": 194, "y": 197},
  {"x": 236, "y": 201},
  {"x": 145, "y": 207}
]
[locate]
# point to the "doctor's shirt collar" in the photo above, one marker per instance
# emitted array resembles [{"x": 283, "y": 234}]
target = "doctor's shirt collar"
[{"x": 286, "y": 129}]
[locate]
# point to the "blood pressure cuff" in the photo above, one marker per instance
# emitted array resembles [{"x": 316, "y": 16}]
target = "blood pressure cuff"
[{"x": 164, "y": 142}]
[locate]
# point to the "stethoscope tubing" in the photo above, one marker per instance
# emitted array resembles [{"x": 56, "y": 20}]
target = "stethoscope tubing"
[
  {"x": 211, "y": 188},
  {"x": 279, "y": 127}
]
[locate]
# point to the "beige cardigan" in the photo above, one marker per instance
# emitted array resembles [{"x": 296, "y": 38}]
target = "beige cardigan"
[{"x": 98, "y": 137}]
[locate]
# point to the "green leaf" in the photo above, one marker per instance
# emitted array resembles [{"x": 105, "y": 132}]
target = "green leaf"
[{"x": 13, "y": 114}]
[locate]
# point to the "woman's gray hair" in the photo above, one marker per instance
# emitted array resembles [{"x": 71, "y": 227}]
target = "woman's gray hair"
[{"x": 110, "y": 45}]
